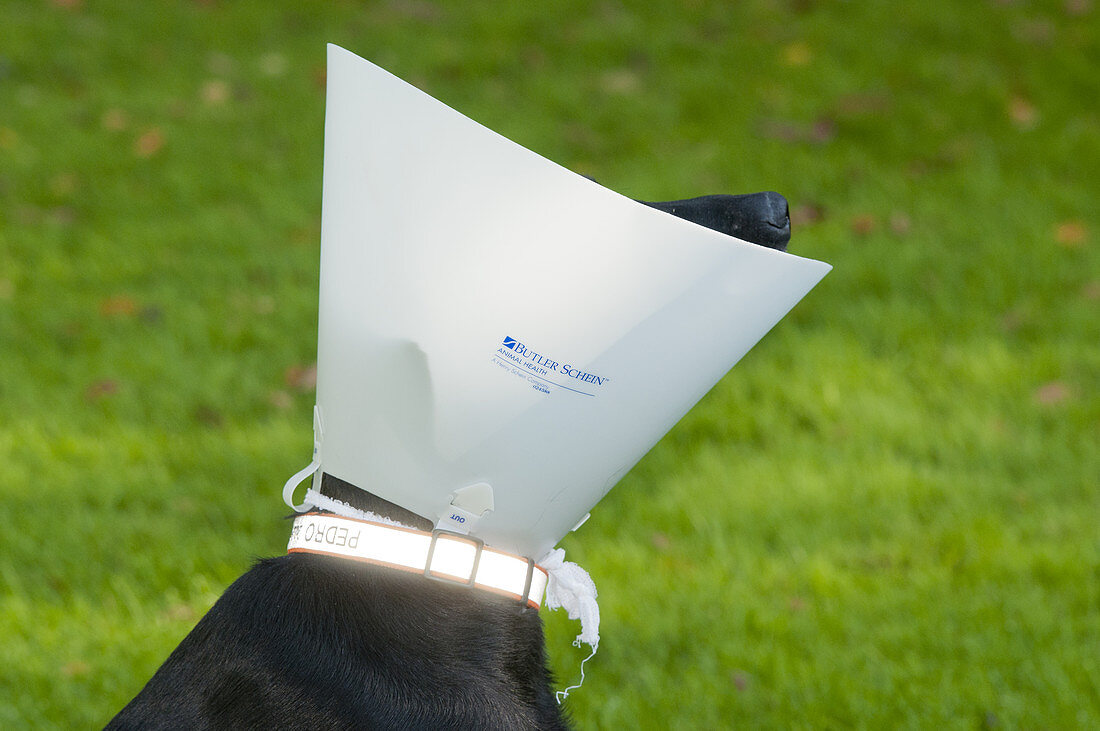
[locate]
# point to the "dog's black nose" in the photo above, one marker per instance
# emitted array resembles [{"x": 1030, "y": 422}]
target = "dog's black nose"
[
  {"x": 775, "y": 217},
  {"x": 761, "y": 218}
]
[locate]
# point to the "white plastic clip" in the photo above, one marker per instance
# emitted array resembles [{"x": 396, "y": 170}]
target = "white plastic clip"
[
  {"x": 312, "y": 467},
  {"x": 288, "y": 488},
  {"x": 468, "y": 505}
]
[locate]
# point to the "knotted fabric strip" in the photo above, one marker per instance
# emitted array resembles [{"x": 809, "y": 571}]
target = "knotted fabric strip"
[{"x": 572, "y": 589}]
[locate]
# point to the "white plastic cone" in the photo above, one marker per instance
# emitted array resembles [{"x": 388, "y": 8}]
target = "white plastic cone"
[{"x": 488, "y": 316}]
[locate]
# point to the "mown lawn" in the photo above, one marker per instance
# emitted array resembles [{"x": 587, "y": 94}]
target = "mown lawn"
[{"x": 886, "y": 516}]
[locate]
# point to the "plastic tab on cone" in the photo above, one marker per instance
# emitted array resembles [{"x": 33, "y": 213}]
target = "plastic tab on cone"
[{"x": 487, "y": 316}]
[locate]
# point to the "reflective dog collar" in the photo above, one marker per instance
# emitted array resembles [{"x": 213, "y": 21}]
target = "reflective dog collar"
[{"x": 440, "y": 555}]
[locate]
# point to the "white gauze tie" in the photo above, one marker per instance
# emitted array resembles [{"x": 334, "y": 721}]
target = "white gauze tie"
[{"x": 571, "y": 588}]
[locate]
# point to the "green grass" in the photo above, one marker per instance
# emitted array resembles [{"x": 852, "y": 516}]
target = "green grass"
[{"x": 886, "y": 516}]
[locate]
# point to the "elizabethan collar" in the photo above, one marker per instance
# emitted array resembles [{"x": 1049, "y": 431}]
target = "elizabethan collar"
[{"x": 502, "y": 339}]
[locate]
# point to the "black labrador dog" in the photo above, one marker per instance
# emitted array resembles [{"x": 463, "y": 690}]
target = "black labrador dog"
[{"x": 306, "y": 641}]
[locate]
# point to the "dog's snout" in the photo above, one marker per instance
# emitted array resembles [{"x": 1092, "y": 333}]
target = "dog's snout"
[{"x": 760, "y": 218}]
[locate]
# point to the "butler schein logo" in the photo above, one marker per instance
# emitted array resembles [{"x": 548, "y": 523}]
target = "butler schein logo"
[{"x": 542, "y": 365}]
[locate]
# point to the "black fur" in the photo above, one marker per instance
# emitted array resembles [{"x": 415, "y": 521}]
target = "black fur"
[
  {"x": 304, "y": 641},
  {"x": 315, "y": 642}
]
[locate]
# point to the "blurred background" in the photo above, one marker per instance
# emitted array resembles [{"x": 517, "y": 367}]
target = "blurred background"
[{"x": 885, "y": 516}]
